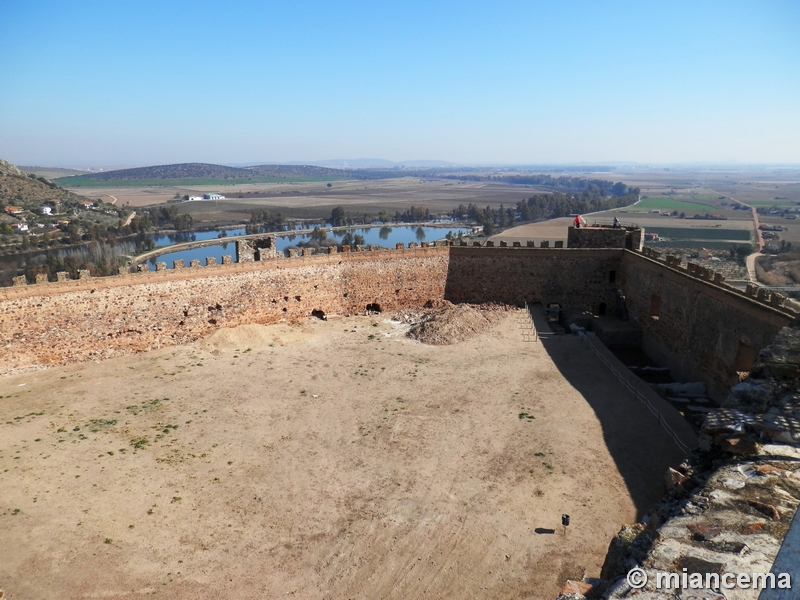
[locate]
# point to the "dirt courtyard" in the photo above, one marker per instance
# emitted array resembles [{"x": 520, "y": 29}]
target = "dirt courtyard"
[{"x": 334, "y": 459}]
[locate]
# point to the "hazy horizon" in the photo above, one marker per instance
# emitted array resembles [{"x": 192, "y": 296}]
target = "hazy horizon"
[{"x": 88, "y": 84}]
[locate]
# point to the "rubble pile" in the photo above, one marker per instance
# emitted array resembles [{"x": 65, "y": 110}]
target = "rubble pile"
[{"x": 453, "y": 323}]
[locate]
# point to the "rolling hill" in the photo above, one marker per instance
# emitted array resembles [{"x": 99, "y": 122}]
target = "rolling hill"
[{"x": 207, "y": 174}]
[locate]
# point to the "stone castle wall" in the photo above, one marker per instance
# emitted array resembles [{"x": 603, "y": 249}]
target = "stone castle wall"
[
  {"x": 87, "y": 319},
  {"x": 703, "y": 331},
  {"x": 574, "y": 278},
  {"x": 697, "y": 328}
]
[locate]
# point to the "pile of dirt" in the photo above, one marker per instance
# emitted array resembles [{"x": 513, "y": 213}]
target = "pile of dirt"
[{"x": 453, "y": 323}]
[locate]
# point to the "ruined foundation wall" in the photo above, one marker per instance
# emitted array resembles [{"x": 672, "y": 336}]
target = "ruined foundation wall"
[
  {"x": 700, "y": 327},
  {"x": 80, "y": 320},
  {"x": 576, "y": 278}
]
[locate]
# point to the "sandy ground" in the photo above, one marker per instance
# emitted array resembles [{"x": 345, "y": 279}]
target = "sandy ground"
[{"x": 332, "y": 459}]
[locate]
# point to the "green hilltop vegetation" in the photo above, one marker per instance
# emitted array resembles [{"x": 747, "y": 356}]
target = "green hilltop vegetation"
[{"x": 206, "y": 174}]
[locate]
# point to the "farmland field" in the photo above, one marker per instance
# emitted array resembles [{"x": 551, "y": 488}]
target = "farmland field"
[
  {"x": 701, "y": 233},
  {"x": 665, "y": 203}
]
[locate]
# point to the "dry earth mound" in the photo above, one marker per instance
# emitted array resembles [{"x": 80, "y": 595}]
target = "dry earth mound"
[{"x": 453, "y": 323}]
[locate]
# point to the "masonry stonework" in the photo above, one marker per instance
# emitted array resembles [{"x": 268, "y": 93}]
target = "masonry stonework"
[
  {"x": 700, "y": 327},
  {"x": 690, "y": 322}
]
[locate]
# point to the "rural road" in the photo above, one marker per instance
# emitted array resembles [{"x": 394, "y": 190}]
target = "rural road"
[{"x": 129, "y": 219}]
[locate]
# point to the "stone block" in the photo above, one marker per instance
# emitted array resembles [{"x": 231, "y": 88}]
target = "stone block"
[
  {"x": 62, "y": 276},
  {"x": 41, "y": 278},
  {"x": 84, "y": 274},
  {"x": 178, "y": 264},
  {"x": 489, "y": 244},
  {"x": 530, "y": 244},
  {"x": 413, "y": 245},
  {"x": 295, "y": 252},
  {"x": 20, "y": 280},
  {"x": 161, "y": 266},
  {"x": 425, "y": 244},
  {"x": 516, "y": 244},
  {"x": 544, "y": 244},
  {"x": 195, "y": 262},
  {"x": 776, "y": 299},
  {"x": 227, "y": 259},
  {"x": 399, "y": 246},
  {"x": 559, "y": 244},
  {"x": 334, "y": 249},
  {"x": 210, "y": 261},
  {"x": 503, "y": 244}
]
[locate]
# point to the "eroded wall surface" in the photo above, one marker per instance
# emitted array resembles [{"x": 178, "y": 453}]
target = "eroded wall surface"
[{"x": 82, "y": 320}]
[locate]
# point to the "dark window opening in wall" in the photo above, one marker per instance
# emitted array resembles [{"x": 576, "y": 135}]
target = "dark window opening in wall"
[
  {"x": 612, "y": 277},
  {"x": 745, "y": 357},
  {"x": 374, "y": 307},
  {"x": 320, "y": 314},
  {"x": 655, "y": 306},
  {"x": 601, "y": 310}
]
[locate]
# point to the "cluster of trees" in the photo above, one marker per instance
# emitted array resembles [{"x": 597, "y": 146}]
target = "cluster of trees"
[
  {"x": 263, "y": 221},
  {"x": 99, "y": 258},
  {"x": 557, "y": 204},
  {"x": 162, "y": 217},
  {"x": 341, "y": 218}
]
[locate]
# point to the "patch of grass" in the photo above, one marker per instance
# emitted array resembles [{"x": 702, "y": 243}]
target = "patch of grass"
[
  {"x": 108, "y": 541},
  {"x": 524, "y": 415},
  {"x": 16, "y": 511},
  {"x": 665, "y": 203},
  {"x": 139, "y": 442}
]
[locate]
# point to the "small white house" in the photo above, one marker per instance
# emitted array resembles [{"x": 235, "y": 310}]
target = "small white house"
[
  {"x": 19, "y": 226},
  {"x": 213, "y": 197},
  {"x": 46, "y": 210},
  {"x": 195, "y": 198}
]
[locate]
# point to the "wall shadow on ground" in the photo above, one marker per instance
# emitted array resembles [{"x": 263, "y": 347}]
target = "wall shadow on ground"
[{"x": 641, "y": 449}]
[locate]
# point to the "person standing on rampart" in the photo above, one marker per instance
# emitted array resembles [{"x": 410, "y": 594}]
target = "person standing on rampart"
[{"x": 578, "y": 222}]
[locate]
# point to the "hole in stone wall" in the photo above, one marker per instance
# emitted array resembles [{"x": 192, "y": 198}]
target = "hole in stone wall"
[
  {"x": 745, "y": 357},
  {"x": 320, "y": 314},
  {"x": 344, "y": 295},
  {"x": 655, "y": 305},
  {"x": 286, "y": 298},
  {"x": 601, "y": 310},
  {"x": 612, "y": 277},
  {"x": 284, "y": 309},
  {"x": 374, "y": 307},
  {"x": 212, "y": 321},
  {"x": 297, "y": 298}
]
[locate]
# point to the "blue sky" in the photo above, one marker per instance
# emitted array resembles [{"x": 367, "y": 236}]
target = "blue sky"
[{"x": 135, "y": 83}]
